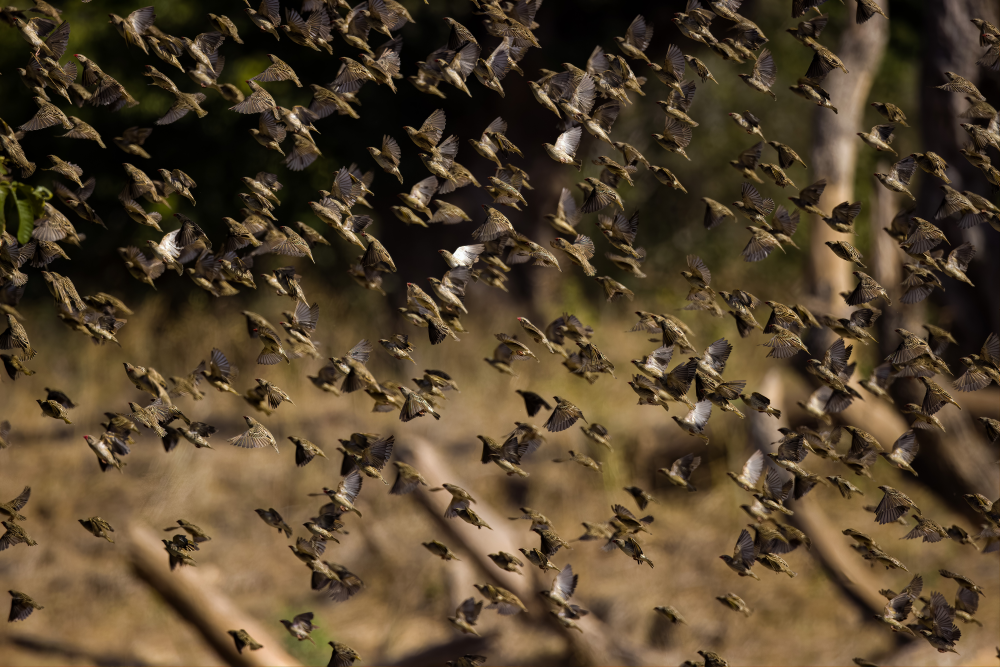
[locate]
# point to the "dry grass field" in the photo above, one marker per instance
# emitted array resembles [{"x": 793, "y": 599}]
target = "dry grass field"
[{"x": 98, "y": 611}]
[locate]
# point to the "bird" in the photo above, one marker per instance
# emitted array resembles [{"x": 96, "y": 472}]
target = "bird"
[
  {"x": 255, "y": 436},
  {"x": 679, "y": 472},
  {"x": 636, "y": 39},
  {"x": 564, "y": 415},
  {"x": 764, "y": 74},
  {"x": 632, "y": 549},
  {"x": 12, "y": 508},
  {"x": 760, "y": 403},
  {"x": 178, "y": 549},
  {"x": 750, "y": 473},
  {"x": 244, "y": 641},
  {"x": 597, "y": 433},
  {"x": 533, "y": 402},
  {"x": 505, "y": 602},
  {"x": 942, "y": 634},
  {"x": 893, "y": 505},
  {"x": 273, "y": 519},
  {"x": 194, "y": 532},
  {"x": 735, "y": 603},
  {"x": 305, "y": 451},
  {"x": 962, "y": 581},
  {"x": 899, "y": 176},
  {"x": 466, "y": 615},
  {"x": 866, "y": 291},
  {"x": 98, "y": 527},
  {"x": 21, "y": 606},
  {"x": 671, "y": 614},
  {"x": 899, "y": 607},
  {"x": 54, "y": 409},
  {"x": 583, "y": 460},
  {"x": 695, "y": 420},
  {"x": 713, "y": 659},
  {"x": 300, "y": 626},
  {"x": 506, "y": 562},
  {"x": 904, "y": 450},
  {"x": 440, "y": 550},
  {"x": 846, "y": 252},
  {"x": 134, "y": 26},
  {"x": 743, "y": 557}
]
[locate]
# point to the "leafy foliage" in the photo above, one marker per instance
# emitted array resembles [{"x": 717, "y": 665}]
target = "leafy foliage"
[{"x": 20, "y": 202}]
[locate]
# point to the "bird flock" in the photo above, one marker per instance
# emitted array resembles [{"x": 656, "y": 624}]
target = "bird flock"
[{"x": 588, "y": 98}]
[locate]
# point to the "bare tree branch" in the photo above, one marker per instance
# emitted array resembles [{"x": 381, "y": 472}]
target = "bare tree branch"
[{"x": 202, "y": 605}]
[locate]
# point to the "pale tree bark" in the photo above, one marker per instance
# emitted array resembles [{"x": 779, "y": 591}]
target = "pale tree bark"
[
  {"x": 835, "y": 151},
  {"x": 885, "y": 261}
]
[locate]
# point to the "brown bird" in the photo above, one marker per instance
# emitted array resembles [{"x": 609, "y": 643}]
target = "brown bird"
[
  {"x": 21, "y": 606},
  {"x": 563, "y": 416},
  {"x": 764, "y": 74},
  {"x": 255, "y": 436}
]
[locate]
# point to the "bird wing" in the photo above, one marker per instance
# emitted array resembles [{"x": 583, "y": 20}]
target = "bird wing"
[
  {"x": 350, "y": 486},
  {"x": 793, "y": 449},
  {"x": 890, "y": 508},
  {"x": 253, "y": 438},
  {"x": 560, "y": 419},
  {"x": 684, "y": 466},
  {"x": 991, "y": 349},
  {"x": 677, "y": 132},
  {"x": 433, "y": 127},
  {"x": 884, "y": 132},
  {"x": 377, "y": 454},
  {"x": 699, "y": 414},
  {"x": 753, "y": 468},
  {"x": 674, "y": 62},
  {"x": 142, "y": 19},
  {"x": 907, "y": 447},
  {"x": 750, "y": 158},
  {"x": 640, "y": 33},
  {"x": 18, "y": 503},
  {"x": 584, "y": 245},
  {"x": 745, "y": 550},
  {"x": 564, "y": 584},
  {"x": 759, "y": 247},
  {"x": 903, "y": 170},
  {"x": 764, "y": 70},
  {"x": 568, "y": 142}
]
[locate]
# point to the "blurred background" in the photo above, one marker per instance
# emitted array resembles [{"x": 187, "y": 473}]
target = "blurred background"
[{"x": 100, "y": 606}]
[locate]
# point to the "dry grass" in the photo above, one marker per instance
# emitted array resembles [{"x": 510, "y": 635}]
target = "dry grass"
[{"x": 93, "y": 602}]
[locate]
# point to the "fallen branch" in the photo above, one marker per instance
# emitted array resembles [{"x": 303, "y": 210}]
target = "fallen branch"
[
  {"x": 70, "y": 652},
  {"x": 199, "y": 603},
  {"x": 829, "y": 546},
  {"x": 596, "y": 645}
]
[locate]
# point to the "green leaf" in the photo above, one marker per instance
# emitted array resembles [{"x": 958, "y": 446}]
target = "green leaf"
[
  {"x": 4, "y": 191},
  {"x": 42, "y": 192},
  {"x": 26, "y": 219},
  {"x": 38, "y": 196}
]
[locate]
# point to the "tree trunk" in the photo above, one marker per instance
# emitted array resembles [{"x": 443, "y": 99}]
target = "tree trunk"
[{"x": 835, "y": 151}]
